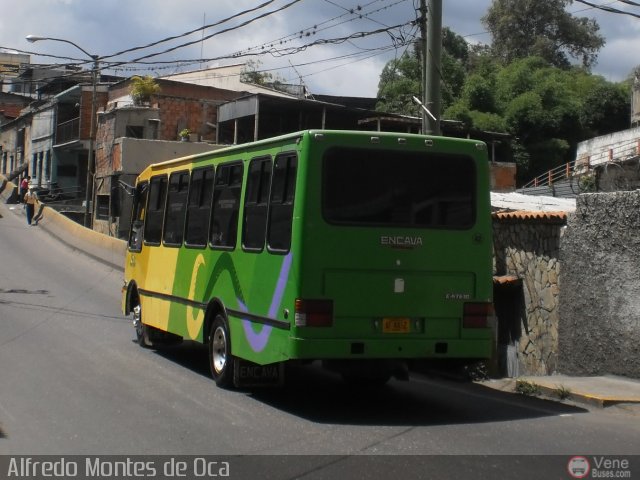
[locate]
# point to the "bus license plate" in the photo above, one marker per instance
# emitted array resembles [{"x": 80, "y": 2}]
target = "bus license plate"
[{"x": 396, "y": 325}]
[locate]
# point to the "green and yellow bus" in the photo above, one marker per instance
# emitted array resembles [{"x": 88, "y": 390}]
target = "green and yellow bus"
[{"x": 364, "y": 250}]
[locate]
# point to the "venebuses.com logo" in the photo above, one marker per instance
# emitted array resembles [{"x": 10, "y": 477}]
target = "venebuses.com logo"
[
  {"x": 578, "y": 467},
  {"x": 598, "y": 467}
]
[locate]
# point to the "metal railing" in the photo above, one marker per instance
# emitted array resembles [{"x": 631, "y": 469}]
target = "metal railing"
[
  {"x": 562, "y": 172},
  {"x": 68, "y": 131},
  {"x": 612, "y": 153},
  {"x": 615, "y": 152}
]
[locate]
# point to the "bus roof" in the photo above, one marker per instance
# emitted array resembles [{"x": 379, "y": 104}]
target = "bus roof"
[{"x": 287, "y": 138}]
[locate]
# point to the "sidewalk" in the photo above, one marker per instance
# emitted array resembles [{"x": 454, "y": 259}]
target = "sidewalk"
[{"x": 600, "y": 391}]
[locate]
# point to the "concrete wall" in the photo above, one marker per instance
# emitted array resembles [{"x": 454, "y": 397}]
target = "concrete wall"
[
  {"x": 126, "y": 158},
  {"x": 108, "y": 250},
  {"x": 600, "y": 295},
  {"x": 616, "y": 146}
]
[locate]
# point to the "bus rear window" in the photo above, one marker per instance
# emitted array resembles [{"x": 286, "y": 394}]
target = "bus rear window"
[{"x": 404, "y": 189}]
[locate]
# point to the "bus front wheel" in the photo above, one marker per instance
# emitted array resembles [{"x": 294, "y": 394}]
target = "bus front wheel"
[
  {"x": 142, "y": 331},
  {"x": 220, "y": 358}
]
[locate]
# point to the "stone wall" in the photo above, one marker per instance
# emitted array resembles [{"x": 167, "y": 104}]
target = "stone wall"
[
  {"x": 526, "y": 246},
  {"x": 600, "y": 295}
]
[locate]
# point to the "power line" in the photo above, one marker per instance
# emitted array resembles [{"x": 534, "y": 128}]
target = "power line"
[
  {"x": 243, "y": 24},
  {"x": 610, "y": 9},
  {"x": 203, "y": 28},
  {"x": 397, "y": 38},
  {"x": 315, "y": 29}
]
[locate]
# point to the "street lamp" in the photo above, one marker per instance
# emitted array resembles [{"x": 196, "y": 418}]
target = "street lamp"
[{"x": 92, "y": 125}]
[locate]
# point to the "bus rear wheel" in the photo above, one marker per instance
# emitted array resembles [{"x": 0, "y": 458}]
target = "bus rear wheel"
[{"x": 220, "y": 358}]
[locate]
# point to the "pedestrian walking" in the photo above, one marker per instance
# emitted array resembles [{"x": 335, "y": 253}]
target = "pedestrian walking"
[
  {"x": 24, "y": 187},
  {"x": 30, "y": 203}
]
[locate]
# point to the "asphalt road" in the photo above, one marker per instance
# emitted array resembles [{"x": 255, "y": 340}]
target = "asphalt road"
[{"x": 73, "y": 382}]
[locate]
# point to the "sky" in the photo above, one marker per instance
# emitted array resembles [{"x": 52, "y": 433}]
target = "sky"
[{"x": 311, "y": 41}]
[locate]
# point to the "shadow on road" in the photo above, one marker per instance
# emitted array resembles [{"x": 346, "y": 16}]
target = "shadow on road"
[{"x": 321, "y": 396}]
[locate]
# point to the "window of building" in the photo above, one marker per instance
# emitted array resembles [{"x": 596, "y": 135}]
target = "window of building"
[
  {"x": 102, "y": 207},
  {"x": 256, "y": 203},
  {"x": 155, "y": 210},
  {"x": 134, "y": 131},
  {"x": 281, "y": 202},
  {"x": 154, "y": 128},
  {"x": 226, "y": 205},
  {"x": 176, "y": 208},
  {"x": 199, "y": 207},
  {"x": 47, "y": 166}
]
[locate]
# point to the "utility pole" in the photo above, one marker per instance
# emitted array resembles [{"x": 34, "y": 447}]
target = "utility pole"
[
  {"x": 423, "y": 50},
  {"x": 432, "y": 64},
  {"x": 95, "y": 71}
]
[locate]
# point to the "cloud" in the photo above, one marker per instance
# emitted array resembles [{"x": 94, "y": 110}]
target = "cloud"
[{"x": 104, "y": 28}]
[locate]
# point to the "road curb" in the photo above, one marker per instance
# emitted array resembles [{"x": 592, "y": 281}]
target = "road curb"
[{"x": 563, "y": 389}]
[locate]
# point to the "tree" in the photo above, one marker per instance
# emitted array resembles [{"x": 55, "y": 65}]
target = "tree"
[
  {"x": 251, "y": 73},
  {"x": 523, "y": 28},
  {"x": 401, "y": 78},
  {"x": 142, "y": 88}
]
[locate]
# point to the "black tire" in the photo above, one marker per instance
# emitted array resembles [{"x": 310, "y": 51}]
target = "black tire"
[
  {"x": 220, "y": 358},
  {"x": 142, "y": 330}
]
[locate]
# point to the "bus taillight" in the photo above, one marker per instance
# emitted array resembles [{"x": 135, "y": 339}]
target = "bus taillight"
[
  {"x": 314, "y": 313},
  {"x": 476, "y": 315}
]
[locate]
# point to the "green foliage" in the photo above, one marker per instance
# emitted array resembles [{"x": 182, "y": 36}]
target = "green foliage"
[
  {"x": 459, "y": 111},
  {"x": 523, "y": 84},
  {"x": 488, "y": 122},
  {"x": 399, "y": 82},
  {"x": 516, "y": 78},
  {"x": 251, "y": 73},
  {"x": 479, "y": 93},
  {"x": 142, "y": 88},
  {"x": 525, "y": 114},
  {"x": 524, "y": 387},
  {"x": 606, "y": 108},
  {"x": 562, "y": 392},
  {"x": 401, "y": 78},
  {"x": 523, "y": 28},
  {"x": 588, "y": 183}
]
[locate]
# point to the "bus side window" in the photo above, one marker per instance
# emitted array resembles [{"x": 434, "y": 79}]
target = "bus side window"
[
  {"x": 137, "y": 217},
  {"x": 226, "y": 205},
  {"x": 155, "y": 210},
  {"x": 281, "y": 202},
  {"x": 199, "y": 207},
  {"x": 176, "y": 207},
  {"x": 256, "y": 202}
]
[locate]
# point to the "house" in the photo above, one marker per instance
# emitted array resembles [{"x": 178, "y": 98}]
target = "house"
[
  {"x": 131, "y": 136},
  {"x": 50, "y": 138}
]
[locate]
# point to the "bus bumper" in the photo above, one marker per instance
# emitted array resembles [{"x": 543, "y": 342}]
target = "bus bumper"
[{"x": 315, "y": 349}]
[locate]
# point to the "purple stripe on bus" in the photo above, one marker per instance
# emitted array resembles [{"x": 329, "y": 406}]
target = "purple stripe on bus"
[{"x": 259, "y": 340}]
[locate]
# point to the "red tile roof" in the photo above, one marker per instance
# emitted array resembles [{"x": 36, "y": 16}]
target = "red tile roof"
[
  {"x": 506, "y": 280},
  {"x": 524, "y": 216}
]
